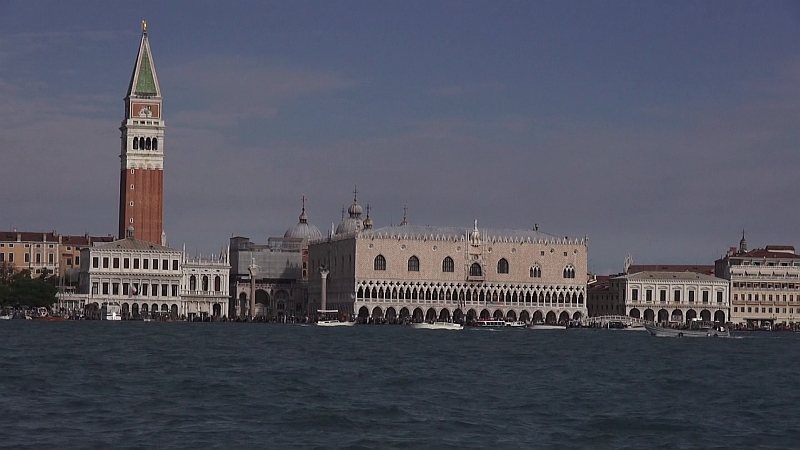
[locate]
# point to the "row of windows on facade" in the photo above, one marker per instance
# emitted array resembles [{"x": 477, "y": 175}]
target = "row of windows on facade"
[
  {"x": 145, "y": 290},
  {"x": 676, "y": 296},
  {"x": 126, "y": 263},
  {"x": 469, "y": 295},
  {"x": 744, "y": 285},
  {"x": 475, "y": 270},
  {"x": 140, "y": 143},
  {"x": 763, "y": 297},
  {"x": 764, "y": 310},
  {"x": 204, "y": 283},
  {"x": 10, "y": 245},
  {"x": 37, "y": 258}
]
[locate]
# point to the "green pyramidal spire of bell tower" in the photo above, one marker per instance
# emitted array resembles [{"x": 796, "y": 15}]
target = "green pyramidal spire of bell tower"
[{"x": 146, "y": 84}]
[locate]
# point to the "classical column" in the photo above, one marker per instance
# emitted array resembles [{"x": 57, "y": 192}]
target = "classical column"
[
  {"x": 253, "y": 269},
  {"x": 323, "y": 304}
]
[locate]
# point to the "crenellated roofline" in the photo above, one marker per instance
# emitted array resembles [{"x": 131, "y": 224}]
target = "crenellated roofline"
[{"x": 457, "y": 234}]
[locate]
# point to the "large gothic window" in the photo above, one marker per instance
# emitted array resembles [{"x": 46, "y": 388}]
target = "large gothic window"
[
  {"x": 413, "y": 264},
  {"x": 569, "y": 271},
  {"x": 380, "y": 263},
  {"x": 475, "y": 270},
  {"x": 448, "y": 265},
  {"x": 502, "y": 266},
  {"x": 536, "y": 271}
]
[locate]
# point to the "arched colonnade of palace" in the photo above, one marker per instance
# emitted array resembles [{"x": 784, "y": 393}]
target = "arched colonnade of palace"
[
  {"x": 148, "y": 310},
  {"x": 269, "y": 301},
  {"x": 420, "y": 313},
  {"x": 526, "y": 295},
  {"x": 681, "y": 315}
]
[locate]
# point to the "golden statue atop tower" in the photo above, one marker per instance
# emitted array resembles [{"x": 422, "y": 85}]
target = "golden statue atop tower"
[{"x": 144, "y": 26}]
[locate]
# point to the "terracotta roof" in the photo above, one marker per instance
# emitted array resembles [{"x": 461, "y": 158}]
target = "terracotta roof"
[
  {"x": 667, "y": 276},
  {"x": 28, "y": 236},
  {"x": 52, "y": 236},
  {"x": 704, "y": 269},
  {"x": 133, "y": 244},
  {"x": 778, "y": 248},
  {"x": 765, "y": 253}
]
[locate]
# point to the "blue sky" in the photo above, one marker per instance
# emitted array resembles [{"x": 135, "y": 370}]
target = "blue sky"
[{"x": 658, "y": 129}]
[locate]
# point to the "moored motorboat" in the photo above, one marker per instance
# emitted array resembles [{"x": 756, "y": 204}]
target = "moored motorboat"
[
  {"x": 330, "y": 318},
  {"x": 51, "y": 318},
  {"x": 516, "y": 324},
  {"x": 334, "y": 323},
  {"x": 547, "y": 326},
  {"x": 695, "y": 329},
  {"x": 437, "y": 326}
]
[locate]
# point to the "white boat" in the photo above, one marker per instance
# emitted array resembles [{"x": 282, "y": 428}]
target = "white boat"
[
  {"x": 516, "y": 324},
  {"x": 437, "y": 326},
  {"x": 334, "y": 323},
  {"x": 330, "y": 318},
  {"x": 695, "y": 329},
  {"x": 547, "y": 326},
  {"x": 489, "y": 323},
  {"x": 5, "y": 317},
  {"x": 110, "y": 311}
]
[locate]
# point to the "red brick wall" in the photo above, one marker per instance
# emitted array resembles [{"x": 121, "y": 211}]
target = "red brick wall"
[{"x": 148, "y": 203}]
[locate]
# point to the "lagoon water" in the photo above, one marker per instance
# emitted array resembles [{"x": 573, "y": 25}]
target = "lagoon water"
[{"x": 236, "y": 385}]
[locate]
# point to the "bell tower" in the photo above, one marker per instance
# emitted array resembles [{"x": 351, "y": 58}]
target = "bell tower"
[{"x": 141, "y": 188}]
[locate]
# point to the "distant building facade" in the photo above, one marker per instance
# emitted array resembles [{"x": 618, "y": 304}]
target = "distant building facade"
[
  {"x": 418, "y": 273},
  {"x": 148, "y": 280},
  {"x": 765, "y": 284},
  {"x": 47, "y": 253},
  {"x": 676, "y": 297},
  {"x": 601, "y": 300},
  {"x": 608, "y": 295},
  {"x": 270, "y": 281}
]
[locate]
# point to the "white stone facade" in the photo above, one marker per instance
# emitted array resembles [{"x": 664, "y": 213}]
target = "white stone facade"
[
  {"x": 151, "y": 281},
  {"x": 425, "y": 272},
  {"x": 205, "y": 286},
  {"x": 672, "y": 296},
  {"x": 765, "y": 285}
]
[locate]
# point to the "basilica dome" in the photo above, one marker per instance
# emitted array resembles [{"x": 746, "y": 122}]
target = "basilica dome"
[
  {"x": 353, "y": 223},
  {"x": 303, "y": 229}
]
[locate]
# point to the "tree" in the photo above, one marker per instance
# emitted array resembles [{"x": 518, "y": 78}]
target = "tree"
[
  {"x": 7, "y": 271},
  {"x": 22, "y": 290}
]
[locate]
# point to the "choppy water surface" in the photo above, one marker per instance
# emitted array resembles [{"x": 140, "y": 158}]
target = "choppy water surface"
[{"x": 233, "y": 385}]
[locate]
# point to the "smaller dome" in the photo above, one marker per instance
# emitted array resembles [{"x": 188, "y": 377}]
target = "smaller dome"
[
  {"x": 353, "y": 223},
  {"x": 355, "y": 209},
  {"x": 303, "y": 229},
  {"x": 350, "y": 225},
  {"x": 367, "y": 222}
]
